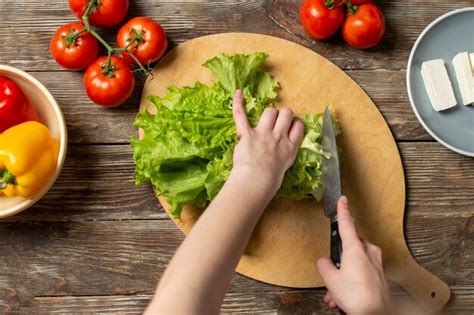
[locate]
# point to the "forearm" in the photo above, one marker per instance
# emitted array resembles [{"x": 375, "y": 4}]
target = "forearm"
[{"x": 197, "y": 278}]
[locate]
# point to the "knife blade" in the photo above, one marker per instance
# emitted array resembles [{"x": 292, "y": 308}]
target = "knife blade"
[{"x": 331, "y": 178}]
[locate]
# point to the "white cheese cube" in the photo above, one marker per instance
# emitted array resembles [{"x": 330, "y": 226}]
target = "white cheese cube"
[
  {"x": 437, "y": 84},
  {"x": 464, "y": 73}
]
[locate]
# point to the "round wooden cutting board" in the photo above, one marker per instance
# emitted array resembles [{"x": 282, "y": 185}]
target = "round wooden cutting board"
[{"x": 292, "y": 235}]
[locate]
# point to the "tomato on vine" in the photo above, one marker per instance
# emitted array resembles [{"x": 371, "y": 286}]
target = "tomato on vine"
[
  {"x": 103, "y": 13},
  {"x": 321, "y": 18},
  {"x": 364, "y": 26},
  {"x": 109, "y": 82},
  {"x": 143, "y": 37},
  {"x": 73, "y": 49}
]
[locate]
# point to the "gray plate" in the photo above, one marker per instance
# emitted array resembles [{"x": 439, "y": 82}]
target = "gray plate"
[{"x": 443, "y": 38}]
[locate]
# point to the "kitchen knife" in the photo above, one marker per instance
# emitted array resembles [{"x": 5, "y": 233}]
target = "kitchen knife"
[{"x": 331, "y": 178}]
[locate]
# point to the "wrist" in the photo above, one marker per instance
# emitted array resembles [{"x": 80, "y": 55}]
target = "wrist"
[{"x": 257, "y": 180}]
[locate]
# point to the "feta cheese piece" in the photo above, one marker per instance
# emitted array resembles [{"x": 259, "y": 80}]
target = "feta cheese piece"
[
  {"x": 463, "y": 66},
  {"x": 437, "y": 84}
]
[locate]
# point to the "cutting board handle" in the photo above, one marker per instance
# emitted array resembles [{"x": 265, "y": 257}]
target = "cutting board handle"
[{"x": 427, "y": 290}]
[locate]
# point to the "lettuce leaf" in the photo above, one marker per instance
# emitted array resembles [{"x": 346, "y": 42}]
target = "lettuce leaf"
[{"x": 187, "y": 148}]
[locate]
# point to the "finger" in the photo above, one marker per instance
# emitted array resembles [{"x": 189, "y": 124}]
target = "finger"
[
  {"x": 374, "y": 252},
  {"x": 346, "y": 223},
  {"x": 326, "y": 269},
  {"x": 296, "y": 131},
  {"x": 240, "y": 116},
  {"x": 283, "y": 121},
  {"x": 267, "y": 121},
  {"x": 332, "y": 304},
  {"x": 327, "y": 298}
]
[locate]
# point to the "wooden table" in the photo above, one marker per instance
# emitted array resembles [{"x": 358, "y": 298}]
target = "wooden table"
[{"x": 98, "y": 243}]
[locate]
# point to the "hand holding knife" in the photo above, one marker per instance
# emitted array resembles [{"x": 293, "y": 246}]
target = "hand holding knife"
[{"x": 366, "y": 271}]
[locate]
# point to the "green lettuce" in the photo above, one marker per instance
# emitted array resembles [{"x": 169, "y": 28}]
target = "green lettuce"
[{"x": 187, "y": 148}]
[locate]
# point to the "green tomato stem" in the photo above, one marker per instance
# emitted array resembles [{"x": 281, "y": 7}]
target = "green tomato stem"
[
  {"x": 101, "y": 40},
  {"x": 351, "y": 8},
  {"x": 109, "y": 69},
  {"x": 111, "y": 50},
  {"x": 72, "y": 36},
  {"x": 140, "y": 66},
  {"x": 329, "y": 3},
  {"x": 136, "y": 38},
  {"x": 91, "y": 5}
]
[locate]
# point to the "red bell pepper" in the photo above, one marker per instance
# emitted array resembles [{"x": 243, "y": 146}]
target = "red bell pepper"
[{"x": 15, "y": 107}]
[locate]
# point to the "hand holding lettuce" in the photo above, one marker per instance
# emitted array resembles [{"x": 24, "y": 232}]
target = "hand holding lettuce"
[{"x": 187, "y": 148}]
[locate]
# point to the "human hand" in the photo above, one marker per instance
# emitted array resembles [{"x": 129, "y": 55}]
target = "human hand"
[
  {"x": 270, "y": 148},
  {"x": 359, "y": 287}
]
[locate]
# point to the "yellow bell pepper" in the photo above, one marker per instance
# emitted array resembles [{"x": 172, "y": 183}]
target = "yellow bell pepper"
[{"x": 28, "y": 158}]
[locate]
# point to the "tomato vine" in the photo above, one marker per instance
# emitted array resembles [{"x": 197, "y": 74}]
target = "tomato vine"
[{"x": 108, "y": 69}]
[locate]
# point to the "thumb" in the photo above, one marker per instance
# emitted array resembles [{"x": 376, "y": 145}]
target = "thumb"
[
  {"x": 347, "y": 228},
  {"x": 326, "y": 269}
]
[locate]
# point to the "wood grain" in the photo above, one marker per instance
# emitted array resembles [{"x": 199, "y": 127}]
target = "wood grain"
[
  {"x": 90, "y": 123},
  {"x": 71, "y": 254},
  {"x": 275, "y": 301},
  {"x": 97, "y": 184},
  {"x": 54, "y": 259},
  {"x": 290, "y": 302},
  {"x": 31, "y": 30}
]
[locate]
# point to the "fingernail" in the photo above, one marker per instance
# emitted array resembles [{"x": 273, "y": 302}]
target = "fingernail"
[
  {"x": 238, "y": 93},
  {"x": 344, "y": 200}
]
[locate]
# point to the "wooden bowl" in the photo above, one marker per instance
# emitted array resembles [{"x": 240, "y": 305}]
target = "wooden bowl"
[{"x": 50, "y": 115}]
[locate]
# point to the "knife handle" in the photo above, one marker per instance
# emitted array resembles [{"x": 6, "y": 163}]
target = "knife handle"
[{"x": 336, "y": 244}]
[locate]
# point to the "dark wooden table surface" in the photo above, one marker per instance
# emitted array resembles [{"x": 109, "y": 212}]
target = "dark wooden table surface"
[{"x": 98, "y": 243}]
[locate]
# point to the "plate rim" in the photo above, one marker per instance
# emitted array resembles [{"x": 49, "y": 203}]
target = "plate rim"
[{"x": 408, "y": 81}]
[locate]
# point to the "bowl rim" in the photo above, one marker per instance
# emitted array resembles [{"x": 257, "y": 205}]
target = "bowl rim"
[
  {"x": 408, "y": 80},
  {"x": 62, "y": 141}
]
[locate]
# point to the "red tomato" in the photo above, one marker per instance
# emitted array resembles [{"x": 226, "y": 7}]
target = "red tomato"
[
  {"x": 107, "y": 14},
  {"x": 80, "y": 53},
  {"x": 365, "y": 28},
  {"x": 15, "y": 108},
  {"x": 145, "y": 38},
  {"x": 109, "y": 88},
  {"x": 319, "y": 20}
]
